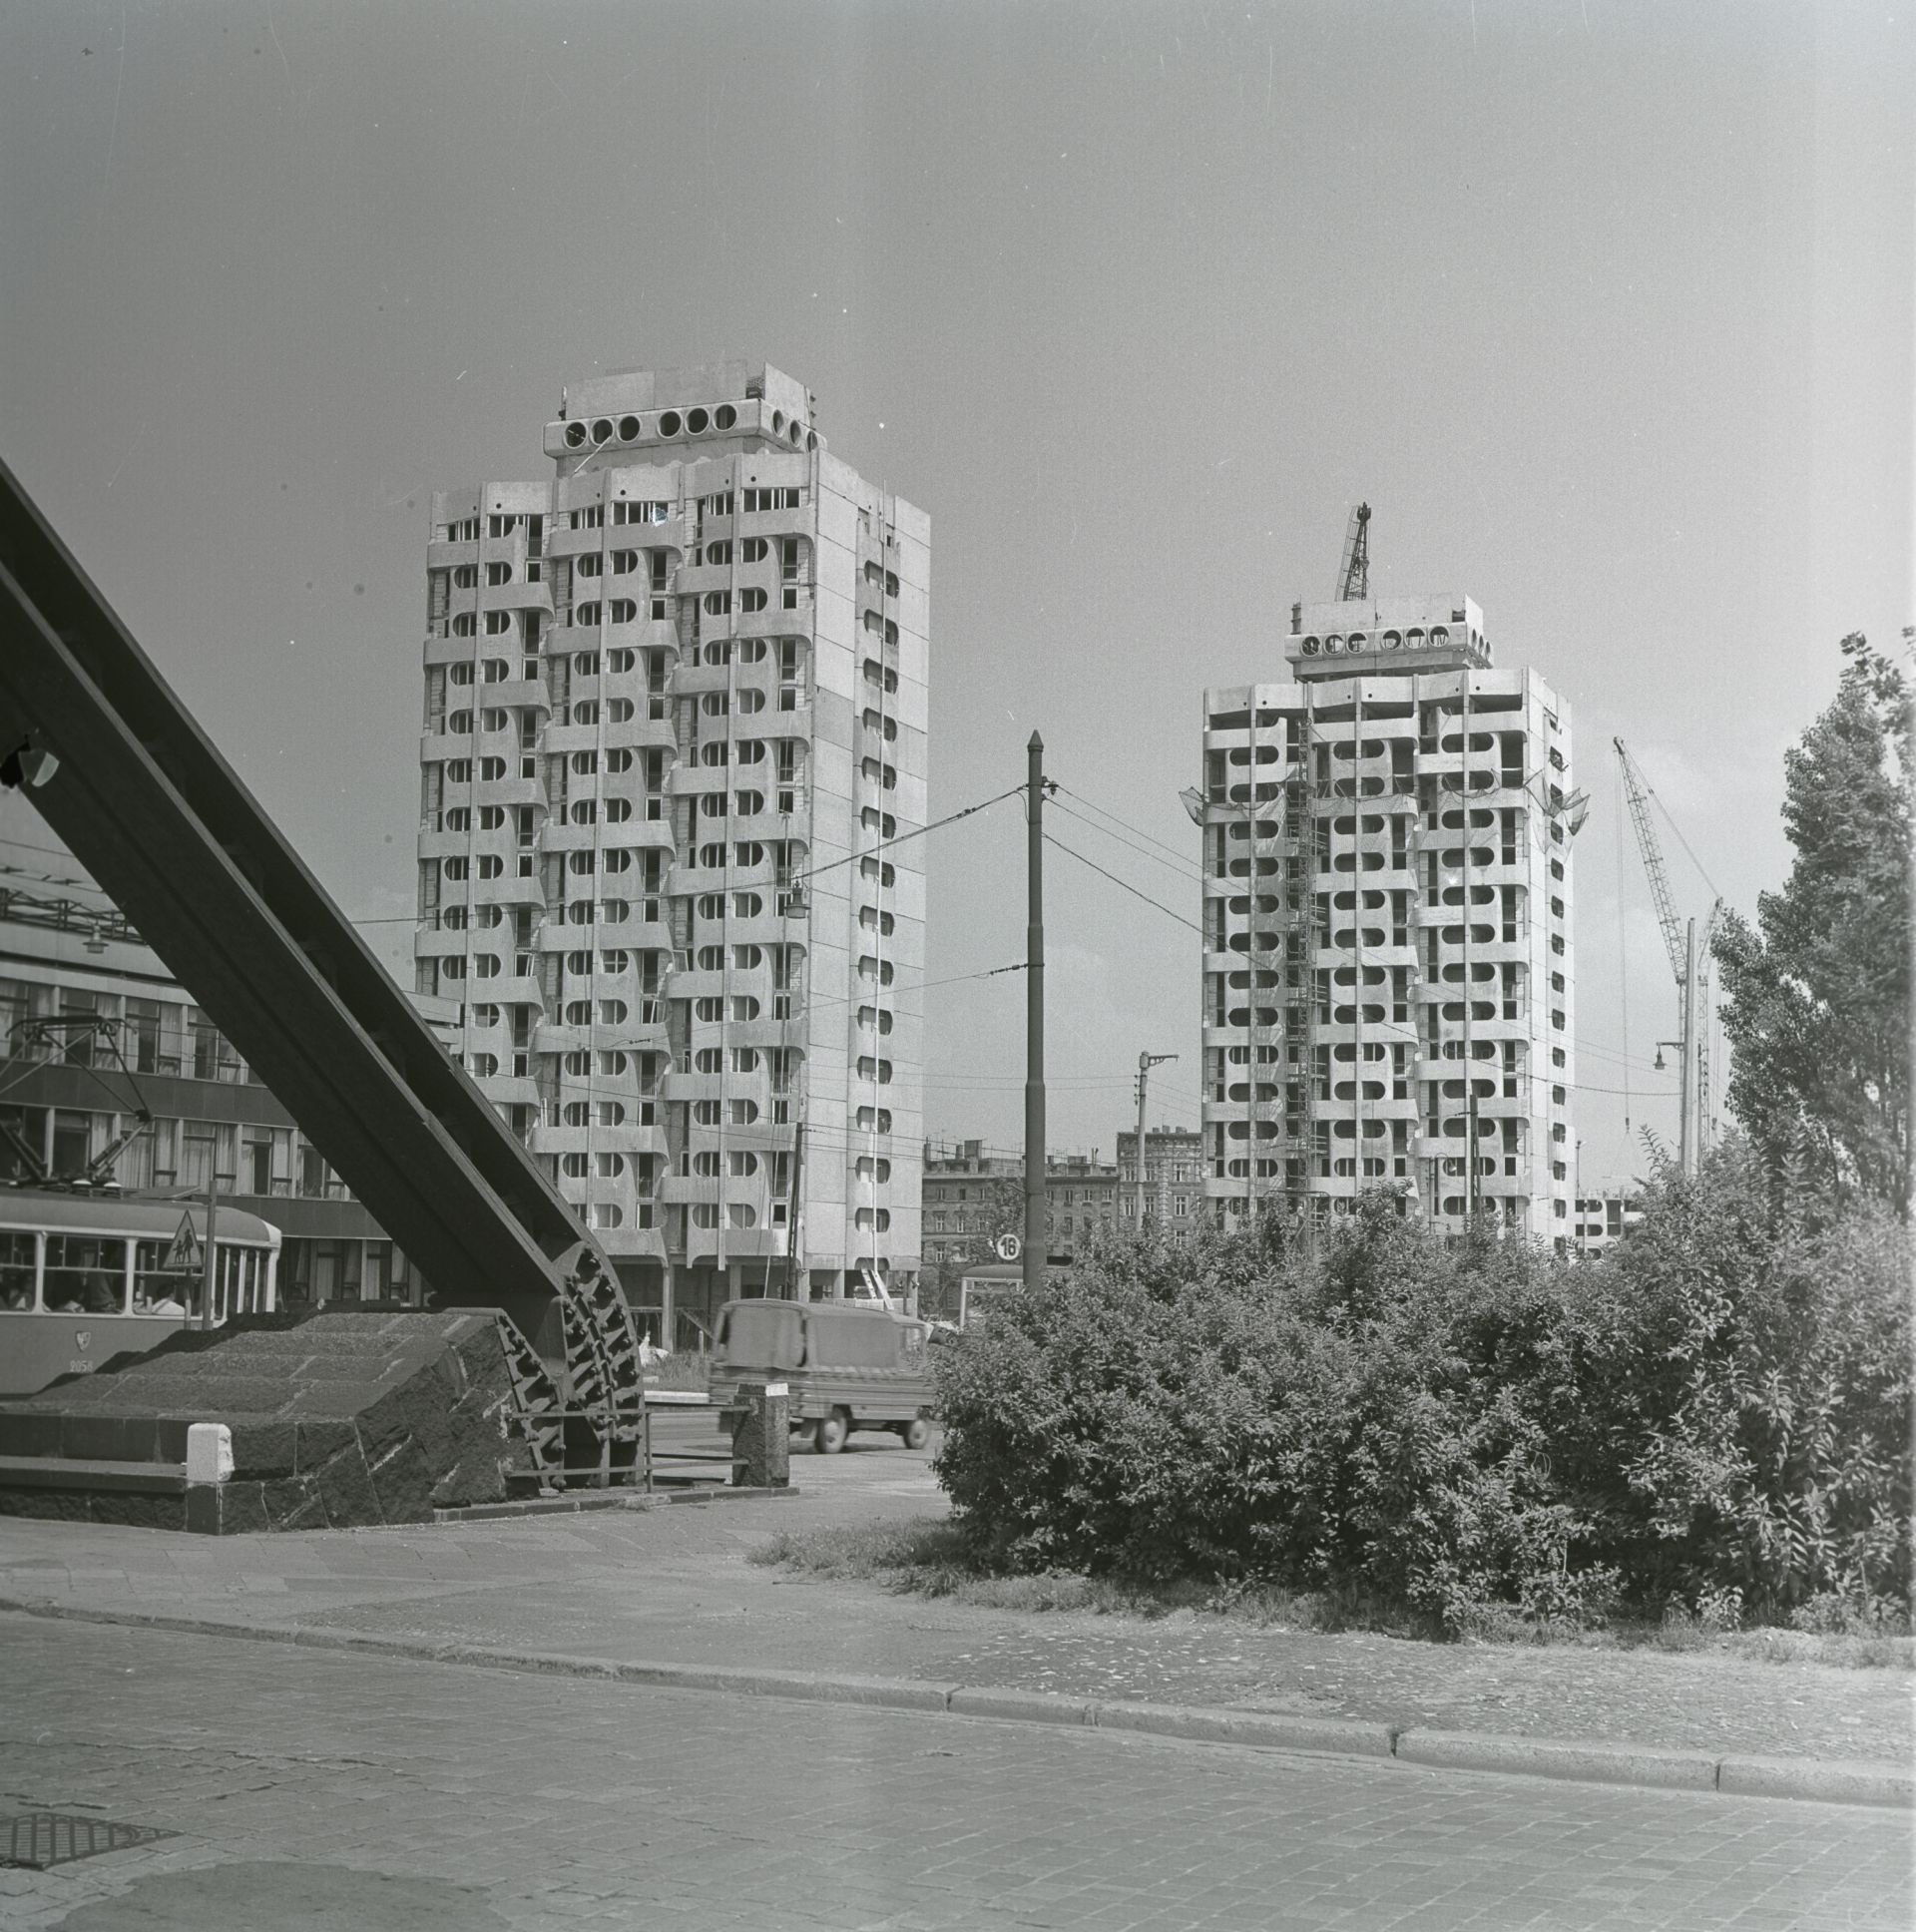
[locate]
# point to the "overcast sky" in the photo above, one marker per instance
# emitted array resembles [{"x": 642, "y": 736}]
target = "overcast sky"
[{"x": 1606, "y": 311}]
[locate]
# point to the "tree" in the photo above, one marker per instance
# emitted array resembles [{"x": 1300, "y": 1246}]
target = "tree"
[{"x": 1817, "y": 1004}]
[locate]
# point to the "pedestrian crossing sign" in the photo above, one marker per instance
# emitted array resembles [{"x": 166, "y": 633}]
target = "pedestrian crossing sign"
[{"x": 182, "y": 1253}]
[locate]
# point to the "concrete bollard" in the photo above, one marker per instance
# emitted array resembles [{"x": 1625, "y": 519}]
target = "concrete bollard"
[
  {"x": 209, "y": 1468},
  {"x": 208, "y": 1452},
  {"x": 763, "y": 1437}
]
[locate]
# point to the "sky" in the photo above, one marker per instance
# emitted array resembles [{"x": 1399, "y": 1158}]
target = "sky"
[{"x": 1605, "y": 310}]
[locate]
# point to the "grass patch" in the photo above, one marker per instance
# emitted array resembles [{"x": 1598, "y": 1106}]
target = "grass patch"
[{"x": 926, "y": 1556}]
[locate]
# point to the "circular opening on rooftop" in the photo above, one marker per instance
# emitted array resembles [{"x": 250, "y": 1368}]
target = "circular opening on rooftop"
[
  {"x": 1390, "y": 640},
  {"x": 669, "y": 423},
  {"x": 698, "y": 422},
  {"x": 1311, "y": 646},
  {"x": 602, "y": 429},
  {"x": 1356, "y": 641},
  {"x": 627, "y": 429},
  {"x": 795, "y": 433},
  {"x": 777, "y": 422},
  {"x": 575, "y": 434},
  {"x": 1334, "y": 645},
  {"x": 1439, "y": 637},
  {"x": 812, "y": 439},
  {"x": 725, "y": 416}
]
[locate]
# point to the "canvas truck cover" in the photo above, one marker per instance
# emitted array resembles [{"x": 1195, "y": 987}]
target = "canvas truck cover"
[
  {"x": 861, "y": 1338},
  {"x": 761, "y": 1334}
]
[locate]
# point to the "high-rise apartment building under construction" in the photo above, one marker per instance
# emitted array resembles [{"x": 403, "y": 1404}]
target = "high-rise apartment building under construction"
[
  {"x": 1388, "y": 996},
  {"x": 675, "y": 709}
]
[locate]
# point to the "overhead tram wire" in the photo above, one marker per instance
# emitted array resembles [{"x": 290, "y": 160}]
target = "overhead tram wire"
[
  {"x": 1187, "y": 869},
  {"x": 1182, "y": 858},
  {"x": 1122, "y": 884},
  {"x": 884, "y": 845}
]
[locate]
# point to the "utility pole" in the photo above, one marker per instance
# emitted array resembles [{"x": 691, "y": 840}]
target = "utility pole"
[
  {"x": 792, "y": 1199},
  {"x": 1146, "y": 1061},
  {"x": 209, "y": 1263},
  {"x": 1686, "y": 1144},
  {"x": 1034, "y": 1252}
]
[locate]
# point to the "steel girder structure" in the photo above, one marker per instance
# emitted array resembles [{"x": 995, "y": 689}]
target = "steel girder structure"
[{"x": 143, "y": 798}]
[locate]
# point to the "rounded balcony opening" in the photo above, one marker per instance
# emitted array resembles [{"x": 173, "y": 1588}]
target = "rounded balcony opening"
[
  {"x": 575, "y": 434},
  {"x": 627, "y": 429},
  {"x": 669, "y": 423},
  {"x": 777, "y": 422},
  {"x": 725, "y": 416},
  {"x": 602, "y": 429},
  {"x": 698, "y": 422}
]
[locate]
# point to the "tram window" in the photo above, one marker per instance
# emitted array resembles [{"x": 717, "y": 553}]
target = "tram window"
[
  {"x": 86, "y": 1275},
  {"x": 16, "y": 1270},
  {"x": 155, "y": 1290}
]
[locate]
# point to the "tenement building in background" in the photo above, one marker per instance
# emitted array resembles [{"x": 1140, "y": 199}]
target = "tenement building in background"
[
  {"x": 1388, "y": 995},
  {"x": 95, "y": 1031},
  {"x": 1173, "y": 1180},
  {"x": 973, "y": 1197},
  {"x": 675, "y": 715}
]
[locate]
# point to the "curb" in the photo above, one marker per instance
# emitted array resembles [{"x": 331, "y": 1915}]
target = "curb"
[{"x": 1814, "y": 1779}]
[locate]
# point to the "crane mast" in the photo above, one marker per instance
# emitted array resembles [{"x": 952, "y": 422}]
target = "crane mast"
[{"x": 1689, "y": 962}]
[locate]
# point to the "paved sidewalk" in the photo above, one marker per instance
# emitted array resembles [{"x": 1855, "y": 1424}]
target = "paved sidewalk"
[
  {"x": 313, "y": 1792},
  {"x": 672, "y": 1586}
]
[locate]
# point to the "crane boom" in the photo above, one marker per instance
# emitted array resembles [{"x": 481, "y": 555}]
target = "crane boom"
[
  {"x": 1354, "y": 580},
  {"x": 1638, "y": 795},
  {"x": 123, "y": 772}
]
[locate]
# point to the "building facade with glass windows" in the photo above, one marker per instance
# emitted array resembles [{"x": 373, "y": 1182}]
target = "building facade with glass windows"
[
  {"x": 1387, "y": 971},
  {"x": 70, "y": 1107},
  {"x": 676, "y": 711}
]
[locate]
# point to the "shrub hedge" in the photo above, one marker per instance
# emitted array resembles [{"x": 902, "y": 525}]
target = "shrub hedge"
[{"x": 1715, "y": 1415}]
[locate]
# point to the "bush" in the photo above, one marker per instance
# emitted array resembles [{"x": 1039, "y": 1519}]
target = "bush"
[{"x": 1479, "y": 1433}]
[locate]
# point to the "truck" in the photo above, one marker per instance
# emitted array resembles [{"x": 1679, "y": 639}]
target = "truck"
[{"x": 846, "y": 1367}]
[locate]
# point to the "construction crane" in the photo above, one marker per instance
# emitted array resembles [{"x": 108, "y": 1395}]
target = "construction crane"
[
  {"x": 1353, "y": 579},
  {"x": 1688, "y": 964}
]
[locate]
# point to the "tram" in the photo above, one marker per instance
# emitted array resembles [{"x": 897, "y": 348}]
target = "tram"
[{"x": 86, "y": 1277}]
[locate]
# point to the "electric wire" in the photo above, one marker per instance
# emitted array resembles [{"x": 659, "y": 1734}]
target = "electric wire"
[
  {"x": 1186, "y": 869},
  {"x": 884, "y": 845},
  {"x": 1072, "y": 852},
  {"x": 1181, "y": 857}
]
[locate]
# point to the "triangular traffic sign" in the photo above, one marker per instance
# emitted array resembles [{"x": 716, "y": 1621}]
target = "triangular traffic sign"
[{"x": 182, "y": 1253}]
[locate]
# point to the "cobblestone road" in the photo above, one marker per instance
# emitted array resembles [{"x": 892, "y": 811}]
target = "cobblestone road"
[{"x": 318, "y": 1790}]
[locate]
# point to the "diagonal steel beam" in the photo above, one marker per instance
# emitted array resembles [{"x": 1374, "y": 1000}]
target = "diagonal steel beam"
[{"x": 161, "y": 821}]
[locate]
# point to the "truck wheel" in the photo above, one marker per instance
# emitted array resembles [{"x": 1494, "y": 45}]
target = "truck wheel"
[
  {"x": 832, "y": 1431},
  {"x": 808, "y": 1434},
  {"x": 916, "y": 1432}
]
